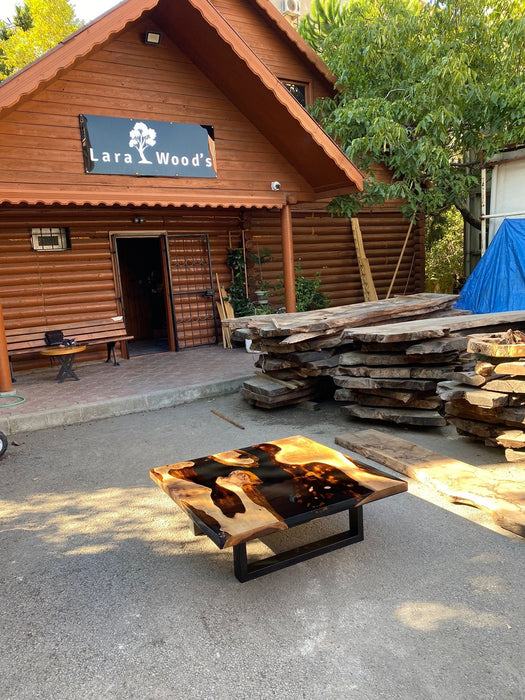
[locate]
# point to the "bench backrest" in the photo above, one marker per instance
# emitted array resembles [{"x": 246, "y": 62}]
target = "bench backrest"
[{"x": 89, "y": 332}]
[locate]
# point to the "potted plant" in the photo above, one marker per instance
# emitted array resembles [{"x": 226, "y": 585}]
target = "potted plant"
[{"x": 262, "y": 287}]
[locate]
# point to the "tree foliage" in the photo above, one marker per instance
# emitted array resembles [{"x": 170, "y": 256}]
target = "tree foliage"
[
  {"x": 38, "y": 25},
  {"x": 444, "y": 252},
  {"x": 431, "y": 90}
]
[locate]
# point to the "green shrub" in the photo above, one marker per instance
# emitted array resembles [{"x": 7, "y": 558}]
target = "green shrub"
[{"x": 308, "y": 294}]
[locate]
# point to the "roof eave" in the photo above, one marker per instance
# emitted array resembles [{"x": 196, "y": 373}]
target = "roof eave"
[
  {"x": 293, "y": 36},
  {"x": 65, "y": 54}
]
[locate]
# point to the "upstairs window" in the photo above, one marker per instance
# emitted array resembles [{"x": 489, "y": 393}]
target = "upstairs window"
[
  {"x": 50, "y": 239},
  {"x": 298, "y": 90}
]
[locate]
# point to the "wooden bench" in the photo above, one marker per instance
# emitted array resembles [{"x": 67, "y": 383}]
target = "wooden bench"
[{"x": 109, "y": 331}]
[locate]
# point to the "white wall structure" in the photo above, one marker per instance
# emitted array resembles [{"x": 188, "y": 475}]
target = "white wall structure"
[
  {"x": 293, "y": 10},
  {"x": 507, "y": 197}
]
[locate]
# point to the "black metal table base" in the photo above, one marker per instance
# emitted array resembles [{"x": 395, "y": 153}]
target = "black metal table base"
[
  {"x": 66, "y": 367},
  {"x": 245, "y": 571}
]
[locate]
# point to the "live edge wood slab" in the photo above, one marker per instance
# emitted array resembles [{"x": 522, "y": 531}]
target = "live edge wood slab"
[
  {"x": 247, "y": 493},
  {"x": 462, "y": 483}
]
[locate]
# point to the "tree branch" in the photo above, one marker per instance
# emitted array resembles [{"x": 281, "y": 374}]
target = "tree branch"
[
  {"x": 468, "y": 217},
  {"x": 472, "y": 164}
]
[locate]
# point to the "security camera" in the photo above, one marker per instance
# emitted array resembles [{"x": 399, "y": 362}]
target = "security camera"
[{"x": 275, "y": 186}]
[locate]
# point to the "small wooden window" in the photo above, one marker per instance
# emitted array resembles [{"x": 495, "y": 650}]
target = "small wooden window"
[
  {"x": 50, "y": 239},
  {"x": 298, "y": 90}
]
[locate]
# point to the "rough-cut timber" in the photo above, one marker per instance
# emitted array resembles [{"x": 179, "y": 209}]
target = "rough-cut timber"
[
  {"x": 343, "y": 317},
  {"x": 403, "y": 415},
  {"x": 508, "y": 344},
  {"x": 491, "y": 397},
  {"x": 460, "y": 482},
  {"x": 432, "y": 328},
  {"x": 297, "y": 344}
]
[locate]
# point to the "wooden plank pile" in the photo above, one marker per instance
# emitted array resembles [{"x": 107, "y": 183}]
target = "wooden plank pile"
[
  {"x": 397, "y": 382},
  {"x": 487, "y": 402},
  {"x": 395, "y": 375},
  {"x": 266, "y": 391},
  {"x": 300, "y": 350}
]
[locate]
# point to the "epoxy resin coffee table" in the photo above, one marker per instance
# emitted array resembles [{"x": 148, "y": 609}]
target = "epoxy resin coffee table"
[{"x": 250, "y": 492}]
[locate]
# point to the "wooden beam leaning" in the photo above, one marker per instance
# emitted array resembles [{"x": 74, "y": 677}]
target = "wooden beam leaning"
[
  {"x": 367, "y": 281},
  {"x": 400, "y": 256}
]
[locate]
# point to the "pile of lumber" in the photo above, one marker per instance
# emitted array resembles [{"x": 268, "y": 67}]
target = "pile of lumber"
[
  {"x": 300, "y": 351},
  {"x": 487, "y": 402},
  {"x": 394, "y": 377},
  {"x": 397, "y": 382},
  {"x": 266, "y": 391},
  {"x": 386, "y": 354}
]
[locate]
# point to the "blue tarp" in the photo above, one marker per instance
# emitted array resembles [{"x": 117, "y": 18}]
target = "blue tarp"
[{"x": 497, "y": 283}]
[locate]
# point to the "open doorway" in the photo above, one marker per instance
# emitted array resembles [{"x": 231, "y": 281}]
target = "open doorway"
[{"x": 143, "y": 282}]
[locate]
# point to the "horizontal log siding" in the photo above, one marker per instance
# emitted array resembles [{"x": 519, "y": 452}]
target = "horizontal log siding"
[
  {"x": 40, "y": 288},
  {"x": 40, "y": 141},
  {"x": 273, "y": 49},
  {"x": 325, "y": 244}
]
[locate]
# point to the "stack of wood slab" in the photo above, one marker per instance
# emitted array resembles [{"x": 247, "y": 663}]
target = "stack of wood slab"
[
  {"x": 395, "y": 374},
  {"x": 267, "y": 391},
  {"x": 487, "y": 402},
  {"x": 300, "y": 351},
  {"x": 397, "y": 382}
]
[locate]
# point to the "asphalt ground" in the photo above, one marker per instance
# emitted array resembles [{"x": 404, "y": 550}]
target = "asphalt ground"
[{"x": 105, "y": 593}]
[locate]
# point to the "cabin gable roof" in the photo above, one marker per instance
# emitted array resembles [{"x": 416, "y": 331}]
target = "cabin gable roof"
[{"x": 230, "y": 64}]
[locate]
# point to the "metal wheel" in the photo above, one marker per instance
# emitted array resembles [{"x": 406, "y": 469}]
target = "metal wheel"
[{"x": 3, "y": 444}]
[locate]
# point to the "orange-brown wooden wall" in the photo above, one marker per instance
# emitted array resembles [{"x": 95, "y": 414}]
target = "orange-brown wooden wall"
[
  {"x": 277, "y": 53},
  {"x": 325, "y": 244},
  {"x": 40, "y": 144},
  {"x": 40, "y": 288},
  {"x": 56, "y": 287}
]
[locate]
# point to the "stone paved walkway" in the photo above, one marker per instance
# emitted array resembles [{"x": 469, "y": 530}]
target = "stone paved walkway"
[{"x": 143, "y": 383}]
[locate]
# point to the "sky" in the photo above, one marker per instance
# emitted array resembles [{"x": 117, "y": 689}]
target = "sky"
[{"x": 85, "y": 9}]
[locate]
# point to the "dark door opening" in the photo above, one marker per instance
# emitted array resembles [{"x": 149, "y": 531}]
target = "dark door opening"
[{"x": 142, "y": 286}]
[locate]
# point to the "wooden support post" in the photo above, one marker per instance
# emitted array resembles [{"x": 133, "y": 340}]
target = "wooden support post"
[
  {"x": 5, "y": 373},
  {"x": 288, "y": 260}
]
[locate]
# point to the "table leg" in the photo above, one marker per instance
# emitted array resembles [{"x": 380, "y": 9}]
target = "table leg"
[
  {"x": 245, "y": 571},
  {"x": 194, "y": 528},
  {"x": 66, "y": 367}
]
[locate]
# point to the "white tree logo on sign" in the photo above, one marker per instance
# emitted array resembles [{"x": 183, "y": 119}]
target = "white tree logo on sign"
[{"x": 140, "y": 137}]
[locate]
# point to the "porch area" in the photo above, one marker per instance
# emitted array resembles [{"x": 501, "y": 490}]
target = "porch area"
[{"x": 143, "y": 383}]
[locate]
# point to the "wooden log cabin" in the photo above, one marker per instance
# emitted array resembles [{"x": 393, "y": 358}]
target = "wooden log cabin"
[{"x": 145, "y": 145}]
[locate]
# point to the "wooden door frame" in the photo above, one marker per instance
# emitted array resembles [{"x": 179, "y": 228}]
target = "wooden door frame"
[{"x": 162, "y": 236}]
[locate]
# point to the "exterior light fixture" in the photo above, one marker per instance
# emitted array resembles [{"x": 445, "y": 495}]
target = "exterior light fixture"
[
  {"x": 152, "y": 38},
  {"x": 275, "y": 186},
  {"x": 138, "y": 219}
]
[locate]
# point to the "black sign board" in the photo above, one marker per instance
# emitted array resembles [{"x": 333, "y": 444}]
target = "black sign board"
[{"x": 116, "y": 146}]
